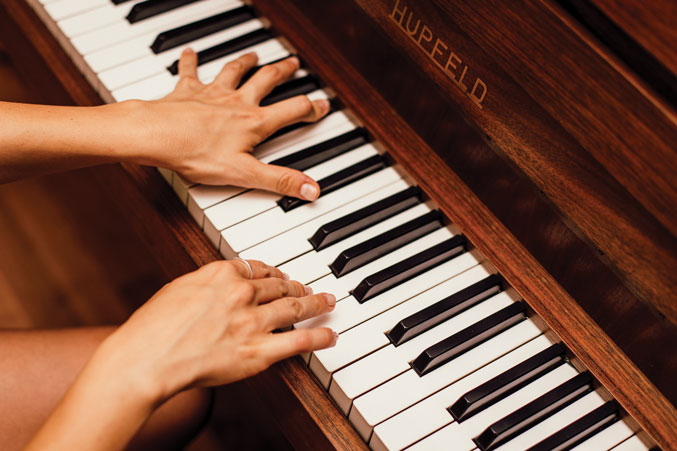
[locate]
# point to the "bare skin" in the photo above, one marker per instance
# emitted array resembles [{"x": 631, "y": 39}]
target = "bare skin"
[{"x": 146, "y": 382}]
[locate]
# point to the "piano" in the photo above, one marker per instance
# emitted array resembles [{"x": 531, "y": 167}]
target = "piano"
[{"x": 498, "y": 214}]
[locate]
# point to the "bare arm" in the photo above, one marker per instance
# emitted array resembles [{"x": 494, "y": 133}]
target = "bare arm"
[
  {"x": 203, "y": 132},
  {"x": 207, "y": 328}
]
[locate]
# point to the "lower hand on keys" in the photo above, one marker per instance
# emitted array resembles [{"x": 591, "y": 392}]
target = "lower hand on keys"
[{"x": 206, "y": 132}]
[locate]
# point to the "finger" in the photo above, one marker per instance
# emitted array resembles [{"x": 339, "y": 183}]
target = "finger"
[
  {"x": 278, "y": 179},
  {"x": 273, "y": 288},
  {"x": 232, "y": 73},
  {"x": 259, "y": 270},
  {"x": 290, "y": 111},
  {"x": 287, "y": 344},
  {"x": 266, "y": 78},
  {"x": 188, "y": 64},
  {"x": 287, "y": 311}
]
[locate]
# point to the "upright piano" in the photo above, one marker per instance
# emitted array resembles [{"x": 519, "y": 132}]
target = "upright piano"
[{"x": 498, "y": 215}]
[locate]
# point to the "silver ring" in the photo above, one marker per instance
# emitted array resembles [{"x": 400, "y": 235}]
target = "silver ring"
[{"x": 251, "y": 271}]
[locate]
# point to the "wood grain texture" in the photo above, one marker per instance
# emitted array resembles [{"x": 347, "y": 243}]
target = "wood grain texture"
[
  {"x": 652, "y": 24},
  {"x": 641, "y": 399},
  {"x": 601, "y": 209}
]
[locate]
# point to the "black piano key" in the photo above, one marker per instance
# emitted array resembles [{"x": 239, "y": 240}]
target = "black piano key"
[
  {"x": 291, "y": 88},
  {"x": 338, "y": 229},
  {"x": 319, "y": 153},
  {"x": 117, "y": 2},
  {"x": 581, "y": 429},
  {"x": 376, "y": 247},
  {"x": 226, "y": 48},
  {"x": 440, "y": 311},
  {"x": 339, "y": 180},
  {"x": 333, "y": 107},
  {"x": 187, "y": 33},
  {"x": 507, "y": 383},
  {"x": 534, "y": 412},
  {"x": 150, "y": 8},
  {"x": 466, "y": 339},
  {"x": 411, "y": 267}
]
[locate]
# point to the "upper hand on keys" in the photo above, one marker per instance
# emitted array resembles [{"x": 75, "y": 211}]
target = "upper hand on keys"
[
  {"x": 206, "y": 132},
  {"x": 214, "y": 326}
]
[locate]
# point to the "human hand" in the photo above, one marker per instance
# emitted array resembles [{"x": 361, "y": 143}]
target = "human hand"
[
  {"x": 214, "y": 326},
  {"x": 206, "y": 132}
]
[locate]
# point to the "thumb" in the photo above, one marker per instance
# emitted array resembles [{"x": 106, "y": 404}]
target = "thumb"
[{"x": 279, "y": 179}]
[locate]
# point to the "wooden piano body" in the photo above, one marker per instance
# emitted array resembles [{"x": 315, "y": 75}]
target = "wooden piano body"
[{"x": 545, "y": 130}]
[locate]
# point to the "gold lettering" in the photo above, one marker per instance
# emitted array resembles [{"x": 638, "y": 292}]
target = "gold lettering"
[
  {"x": 401, "y": 13},
  {"x": 418, "y": 22},
  {"x": 460, "y": 80},
  {"x": 426, "y": 34},
  {"x": 419, "y": 32},
  {"x": 436, "y": 48},
  {"x": 478, "y": 99},
  {"x": 450, "y": 62}
]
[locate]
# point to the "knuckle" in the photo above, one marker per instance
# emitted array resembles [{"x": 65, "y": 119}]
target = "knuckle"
[
  {"x": 305, "y": 105},
  {"x": 272, "y": 71},
  {"x": 236, "y": 66},
  {"x": 244, "y": 291},
  {"x": 295, "y": 307},
  {"x": 286, "y": 182}
]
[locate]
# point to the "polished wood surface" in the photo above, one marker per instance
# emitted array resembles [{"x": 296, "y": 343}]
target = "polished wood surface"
[
  {"x": 521, "y": 177},
  {"x": 335, "y": 55}
]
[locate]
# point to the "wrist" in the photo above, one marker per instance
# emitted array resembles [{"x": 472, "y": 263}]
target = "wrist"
[{"x": 124, "y": 370}]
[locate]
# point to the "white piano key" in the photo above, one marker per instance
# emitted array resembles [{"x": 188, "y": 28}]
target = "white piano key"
[
  {"x": 554, "y": 423},
  {"x": 390, "y": 361},
  {"x": 61, "y": 9},
  {"x": 430, "y": 414},
  {"x": 370, "y": 336},
  {"x": 294, "y": 242},
  {"x": 163, "y": 82},
  {"x": 344, "y": 284},
  {"x": 349, "y": 313},
  {"x": 409, "y": 388},
  {"x": 634, "y": 443},
  {"x": 251, "y": 203},
  {"x": 313, "y": 265},
  {"x": 181, "y": 187},
  {"x": 95, "y": 18},
  {"x": 202, "y": 197},
  {"x": 140, "y": 69},
  {"x": 136, "y": 45},
  {"x": 116, "y": 43},
  {"x": 166, "y": 174},
  {"x": 461, "y": 434},
  {"x": 275, "y": 221},
  {"x": 607, "y": 438}
]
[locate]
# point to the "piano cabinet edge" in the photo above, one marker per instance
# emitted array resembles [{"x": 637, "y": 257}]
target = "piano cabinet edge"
[{"x": 592, "y": 346}]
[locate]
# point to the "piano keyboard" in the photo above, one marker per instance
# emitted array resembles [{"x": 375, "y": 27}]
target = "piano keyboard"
[{"x": 435, "y": 351}]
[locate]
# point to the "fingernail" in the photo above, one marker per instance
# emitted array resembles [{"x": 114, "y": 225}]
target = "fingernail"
[
  {"x": 285, "y": 276},
  {"x": 307, "y": 290},
  {"x": 323, "y": 104},
  {"x": 295, "y": 60},
  {"x": 330, "y": 298},
  {"x": 188, "y": 51},
  {"x": 308, "y": 191},
  {"x": 336, "y": 335}
]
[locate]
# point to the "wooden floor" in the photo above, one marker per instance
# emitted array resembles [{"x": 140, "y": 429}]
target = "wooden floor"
[{"x": 69, "y": 257}]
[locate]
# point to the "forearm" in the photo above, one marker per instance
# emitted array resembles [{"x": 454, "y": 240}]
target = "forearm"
[
  {"x": 104, "y": 408},
  {"x": 39, "y": 139}
]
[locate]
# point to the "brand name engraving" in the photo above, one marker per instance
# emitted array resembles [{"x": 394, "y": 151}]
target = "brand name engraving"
[{"x": 439, "y": 52}]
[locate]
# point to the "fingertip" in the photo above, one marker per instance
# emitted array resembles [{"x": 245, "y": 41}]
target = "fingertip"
[
  {"x": 295, "y": 61},
  {"x": 188, "y": 51},
  {"x": 322, "y": 106},
  {"x": 309, "y": 191},
  {"x": 335, "y": 337}
]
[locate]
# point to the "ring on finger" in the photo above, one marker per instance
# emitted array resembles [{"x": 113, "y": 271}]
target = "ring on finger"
[{"x": 249, "y": 267}]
